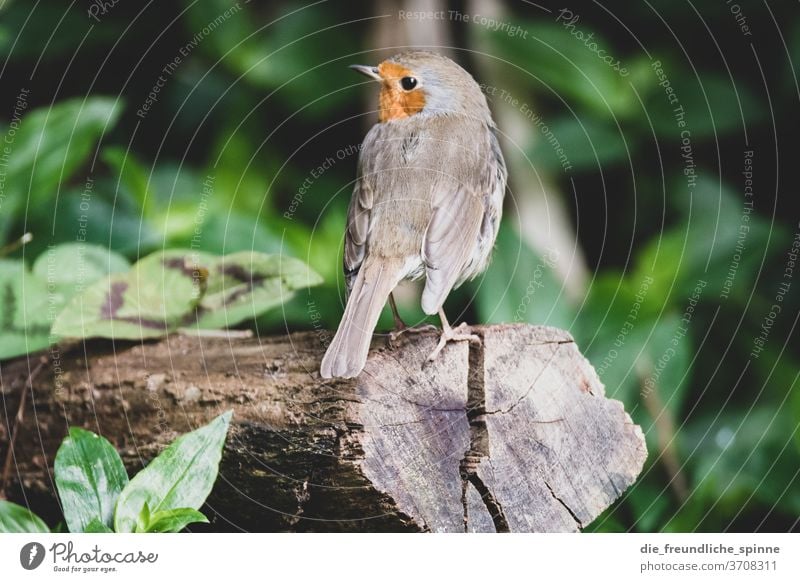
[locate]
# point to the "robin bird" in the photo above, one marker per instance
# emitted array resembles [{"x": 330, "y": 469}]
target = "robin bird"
[{"x": 427, "y": 200}]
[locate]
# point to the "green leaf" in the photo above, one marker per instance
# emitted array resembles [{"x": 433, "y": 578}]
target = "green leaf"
[
  {"x": 242, "y": 286},
  {"x": 131, "y": 175},
  {"x": 97, "y": 526},
  {"x": 521, "y": 286},
  {"x": 143, "y": 521},
  {"x": 89, "y": 477},
  {"x": 17, "y": 519},
  {"x": 235, "y": 231},
  {"x": 180, "y": 477},
  {"x": 27, "y": 309},
  {"x": 69, "y": 267},
  {"x": 151, "y": 300},
  {"x": 50, "y": 146},
  {"x": 174, "y": 520}
]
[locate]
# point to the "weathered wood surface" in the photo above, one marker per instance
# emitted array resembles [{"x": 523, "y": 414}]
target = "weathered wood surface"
[{"x": 511, "y": 435}]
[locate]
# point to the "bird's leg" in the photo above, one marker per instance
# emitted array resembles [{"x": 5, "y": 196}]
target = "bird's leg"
[
  {"x": 459, "y": 334},
  {"x": 400, "y": 326}
]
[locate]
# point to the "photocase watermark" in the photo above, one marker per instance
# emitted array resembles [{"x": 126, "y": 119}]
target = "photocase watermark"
[
  {"x": 738, "y": 15},
  {"x": 7, "y": 146},
  {"x": 206, "y": 193},
  {"x": 183, "y": 53},
  {"x": 780, "y": 293},
  {"x": 679, "y": 114},
  {"x": 199, "y": 274},
  {"x": 323, "y": 335},
  {"x": 31, "y": 555},
  {"x": 534, "y": 118},
  {"x": 487, "y": 22},
  {"x": 66, "y": 558},
  {"x": 744, "y": 226},
  {"x": 663, "y": 361},
  {"x": 153, "y": 383},
  {"x": 53, "y": 309},
  {"x": 99, "y": 8},
  {"x": 627, "y": 326},
  {"x": 548, "y": 261},
  {"x": 569, "y": 20},
  {"x": 316, "y": 173},
  {"x": 54, "y": 294}
]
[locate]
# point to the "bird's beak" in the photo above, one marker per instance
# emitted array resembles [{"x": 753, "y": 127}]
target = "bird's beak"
[{"x": 371, "y": 72}]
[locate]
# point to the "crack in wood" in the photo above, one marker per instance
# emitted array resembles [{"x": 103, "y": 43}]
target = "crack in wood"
[
  {"x": 564, "y": 505},
  {"x": 478, "y": 442}
]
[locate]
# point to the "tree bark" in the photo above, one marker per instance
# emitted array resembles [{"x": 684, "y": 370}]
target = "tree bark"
[{"x": 514, "y": 434}]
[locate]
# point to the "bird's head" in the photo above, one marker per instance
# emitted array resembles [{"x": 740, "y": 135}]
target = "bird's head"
[{"x": 424, "y": 82}]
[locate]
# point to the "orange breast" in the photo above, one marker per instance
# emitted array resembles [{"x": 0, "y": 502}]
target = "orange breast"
[{"x": 395, "y": 103}]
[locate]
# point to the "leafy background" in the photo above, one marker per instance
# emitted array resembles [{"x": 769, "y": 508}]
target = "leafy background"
[{"x": 257, "y": 104}]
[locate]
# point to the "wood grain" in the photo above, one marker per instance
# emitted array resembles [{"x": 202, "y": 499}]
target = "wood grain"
[{"x": 514, "y": 434}]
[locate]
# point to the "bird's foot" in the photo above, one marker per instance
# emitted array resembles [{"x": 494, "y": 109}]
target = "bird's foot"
[
  {"x": 449, "y": 334},
  {"x": 402, "y": 328}
]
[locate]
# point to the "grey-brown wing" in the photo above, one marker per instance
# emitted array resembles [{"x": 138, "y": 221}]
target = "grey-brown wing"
[
  {"x": 449, "y": 242},
  {"x": 360, "y": 209},
  {"x": 355, "y": 238},
  {"x": 463, "y": 228}
]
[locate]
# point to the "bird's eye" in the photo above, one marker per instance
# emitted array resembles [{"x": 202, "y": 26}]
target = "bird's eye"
[{"x": 408, "y": 83}]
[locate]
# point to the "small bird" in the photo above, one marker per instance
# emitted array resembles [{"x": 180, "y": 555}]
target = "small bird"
[{"x": 427, "y": 200}]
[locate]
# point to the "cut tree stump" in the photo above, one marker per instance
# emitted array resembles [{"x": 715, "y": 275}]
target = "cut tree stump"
[{"x": 514, "y": 434}]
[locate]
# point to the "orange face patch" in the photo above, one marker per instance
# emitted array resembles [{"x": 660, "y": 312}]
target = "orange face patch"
[{"x": 396, "y": 103}]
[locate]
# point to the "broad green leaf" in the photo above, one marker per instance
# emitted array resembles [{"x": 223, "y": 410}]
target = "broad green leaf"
[
  {"x": 244, "y": 285},
  {"x": 89, "y": 477},
  {"x": 97, "y": 526},
  {"x": 520, "y": 286},
  {"x": 17, "y": 519},
  {"x": 180, "y": 477},
  {"x": 239, "y": 174},
  {"x": 49, "y": 147},
  {"x": 174, "y": 520},
  {"x": 27, "y": 310},
  {"x": 131, "y": 175},
  {"x": 115, "y": 224},
  {"x": 69, "y": 267},
  {"x": 144, "y": 519},
  {"x": 150, "y": 300},
  {"x": 228, "y": 232}
]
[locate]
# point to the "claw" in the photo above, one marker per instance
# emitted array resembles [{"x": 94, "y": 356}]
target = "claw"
[
  {"x": 450, "y": 334},
  {"x": 395, "y": 334}
]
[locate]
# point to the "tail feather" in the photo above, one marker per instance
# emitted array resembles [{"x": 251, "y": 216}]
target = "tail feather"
[{"x": 347, "y": 353}]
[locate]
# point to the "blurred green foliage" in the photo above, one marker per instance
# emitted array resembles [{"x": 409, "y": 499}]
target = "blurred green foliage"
[{"x": 234, "y": 146}]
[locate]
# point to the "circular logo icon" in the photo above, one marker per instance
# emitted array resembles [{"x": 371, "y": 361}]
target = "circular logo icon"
[{"x": 31, "y": 555}]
